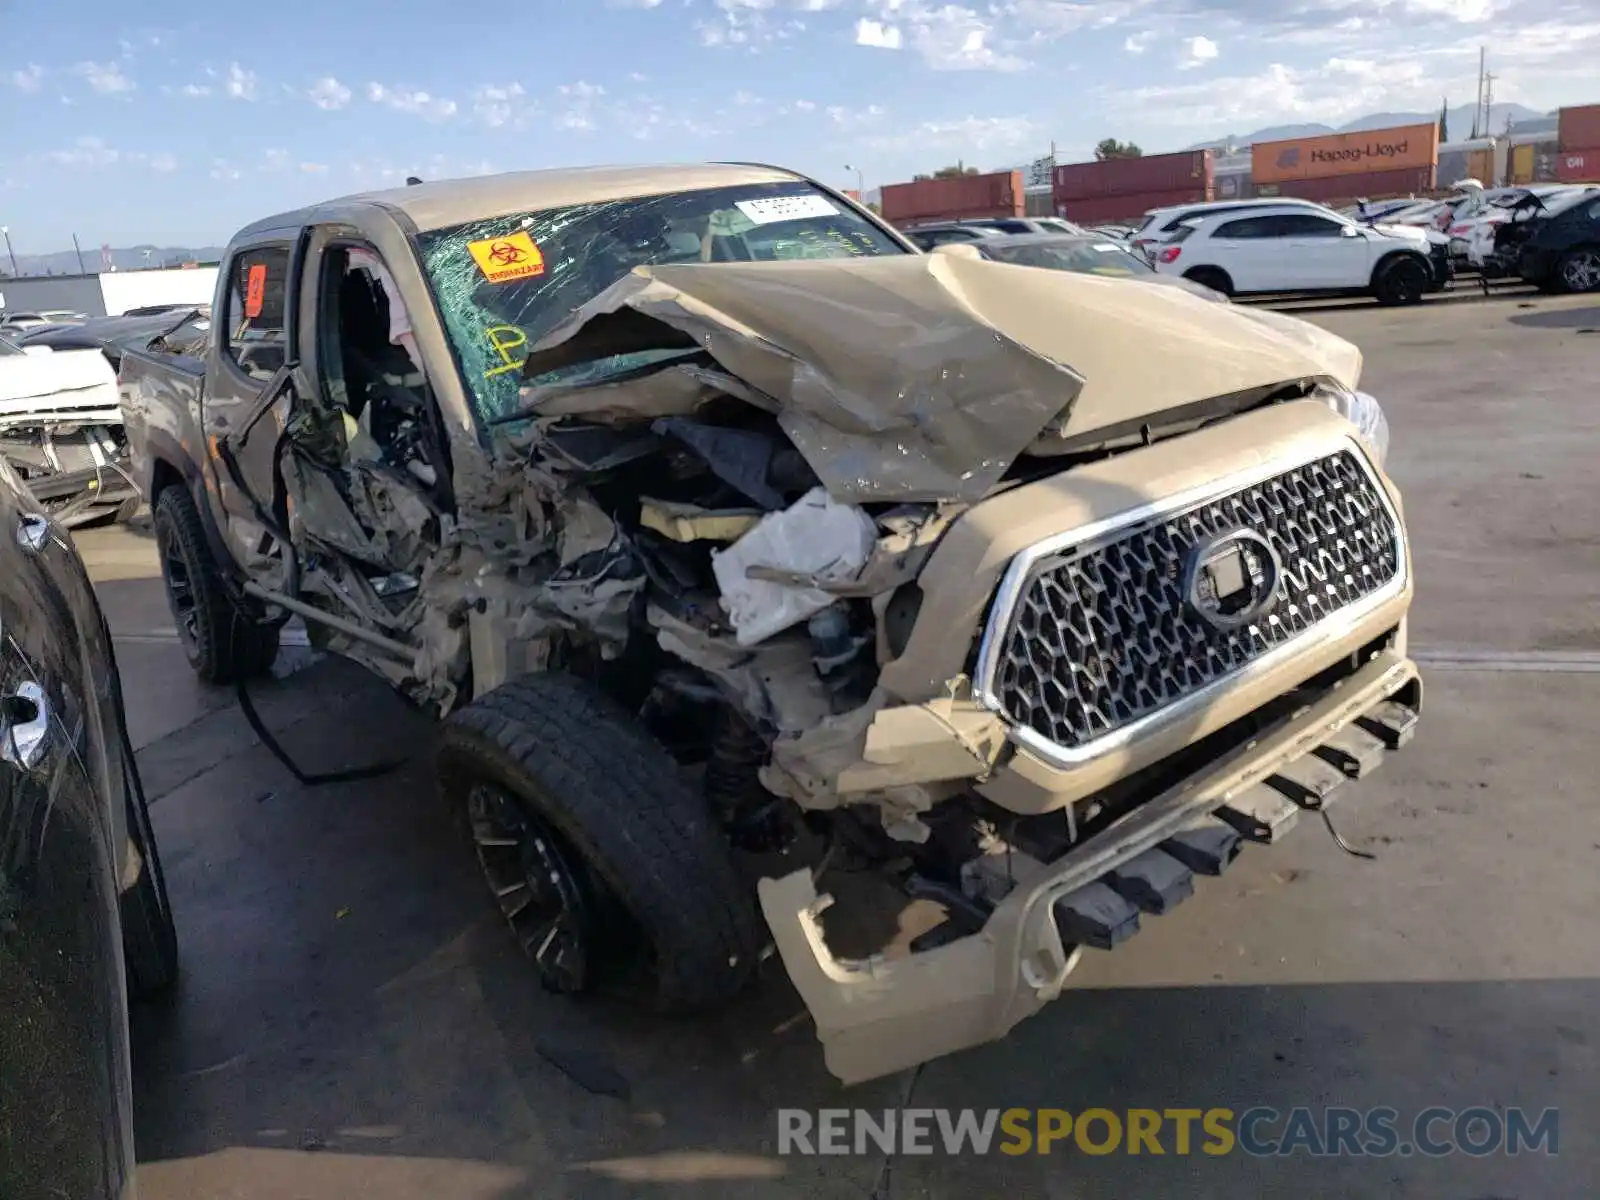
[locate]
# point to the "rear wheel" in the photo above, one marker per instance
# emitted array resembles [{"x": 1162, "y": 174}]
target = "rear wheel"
[
  {"x": 1401, "y": 281},
  {"x": 604, "y": 861},
  {"x": 1212, "y": 277},
  {"x": 1579, "y": 270},
  {"x": 222, "y": 643}
]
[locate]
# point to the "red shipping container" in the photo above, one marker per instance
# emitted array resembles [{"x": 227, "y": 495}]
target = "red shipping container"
[
  {"x": 996, "y": 195},
  {"x": 1578, "y": 166},
  {"x": 1341, "y": 189},
  {"x": 1128, "y": 176},
  {"x": 1100, "y": 210},
  {"x": 1578, "y": 129}
]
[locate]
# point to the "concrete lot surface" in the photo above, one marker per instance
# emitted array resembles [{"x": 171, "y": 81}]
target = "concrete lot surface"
[{"x": 353, "y": 1022}]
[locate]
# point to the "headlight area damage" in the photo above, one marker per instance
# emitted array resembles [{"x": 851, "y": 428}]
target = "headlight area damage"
[
  {"x": 896, "y": 549},
  {"x": 61, "y": 431}
]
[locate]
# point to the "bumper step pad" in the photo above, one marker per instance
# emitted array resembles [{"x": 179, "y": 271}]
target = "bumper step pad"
[
  {"x": 1105, "y": 913},
  {"x": 1095, "y": 915},
  {"x": 1261, "y": 814},
  {"x": 1154, "y": 882}
]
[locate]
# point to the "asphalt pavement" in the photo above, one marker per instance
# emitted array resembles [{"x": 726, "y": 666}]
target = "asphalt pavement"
[{"x": 354, "y": 1022}]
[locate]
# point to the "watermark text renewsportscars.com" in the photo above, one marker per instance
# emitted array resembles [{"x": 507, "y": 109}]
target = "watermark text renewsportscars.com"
[{"x": 1258, "y": 1131}]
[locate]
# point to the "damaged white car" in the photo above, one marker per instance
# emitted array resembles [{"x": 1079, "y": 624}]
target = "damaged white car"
[
  {"x": 748, "y": 551},
  {"x": 61, "y": 431}
]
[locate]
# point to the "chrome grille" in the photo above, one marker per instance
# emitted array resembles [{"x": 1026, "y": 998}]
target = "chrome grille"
[{"x": 1100, "y": 635}]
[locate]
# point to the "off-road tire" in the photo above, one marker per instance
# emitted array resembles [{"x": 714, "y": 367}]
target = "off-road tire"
[
  {"x": 587, "y": 769},
  {"x": 1401, "y": 280},
  {"x": 1574, "y": 259},
  {"x": 1214, "y": 278},
  {"x": 149, "y": 939},
  {"x": 222, "y": 643}
]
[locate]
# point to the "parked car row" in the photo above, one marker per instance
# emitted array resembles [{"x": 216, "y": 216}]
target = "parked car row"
[{"x": 1550, "y": 240}]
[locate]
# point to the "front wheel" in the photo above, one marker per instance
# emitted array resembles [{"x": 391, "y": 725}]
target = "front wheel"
[
  {"x": 604, "y": 861},
  {"x": 222, "y": 643},
  {"x": 1401, "y": 281},
  {"x": 1579, "y": 270}
]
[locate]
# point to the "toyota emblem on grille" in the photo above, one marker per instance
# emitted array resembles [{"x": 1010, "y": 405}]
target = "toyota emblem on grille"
[{"x": 1231, "y": 580}]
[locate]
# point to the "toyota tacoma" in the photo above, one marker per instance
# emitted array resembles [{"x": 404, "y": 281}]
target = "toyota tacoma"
[{"x": 752, "y": 558}]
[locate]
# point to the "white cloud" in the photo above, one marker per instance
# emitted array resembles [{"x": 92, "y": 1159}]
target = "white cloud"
[
  {"x": 329, "y": 93},
  {"x": 1197, "y": 52},
  {"x": 748, "y": 24},
  {"x": 877, "y": 34},
  {"x": 28, "y": 78},
  {"x": 274, "y": 159},
  {"x": 163, "y": 162},
  {"x": 578, "y": 112},
  {"x": 1138, "y": 43},
  {"x": 417, "y": 103},
  {"x": 105, "y": 78},
  {"x": 962, "y": 138},
  {"x": 88, "y": 152},
  {"x": 240, "y": 84},
  {"x": 495, "y": 105},
  {"x": 222, "y": 169},
  {"x": 633, "y": 3},
  {"x": 195, "y": 89}
]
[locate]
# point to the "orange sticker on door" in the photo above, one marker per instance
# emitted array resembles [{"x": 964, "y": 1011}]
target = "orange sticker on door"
[
  {"x": 255, "y": 291},
  {"x": 503, "y": 259}
]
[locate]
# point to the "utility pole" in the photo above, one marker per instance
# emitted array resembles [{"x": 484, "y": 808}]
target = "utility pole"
[
  {"x": 1488, "y": 104},
  {"x": 5, "y": 230},
  {"x": 78, "y": 250},
  {"x": 861, "y": 183},
  {"x": 1477, "y": 108}
]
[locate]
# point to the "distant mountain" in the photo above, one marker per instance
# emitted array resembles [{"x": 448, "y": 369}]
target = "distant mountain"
[
  {"x": 1459, "y": 120},
  {"x": 132, "y": 258}
]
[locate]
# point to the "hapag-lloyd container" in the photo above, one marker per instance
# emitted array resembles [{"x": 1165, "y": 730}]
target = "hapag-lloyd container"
[
  {"x": 1375, "y": 150},
  {"x": 997, "y": 195},
  {"x": 1131, "y": 176},
  {"x": 1578, "y": 129},
  {"x": 1099, "y": 210},
  {"x": 1373, "y": 185}
]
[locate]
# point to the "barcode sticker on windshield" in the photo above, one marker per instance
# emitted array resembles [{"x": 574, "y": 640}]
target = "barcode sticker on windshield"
[{"x": 786, "y": 208}]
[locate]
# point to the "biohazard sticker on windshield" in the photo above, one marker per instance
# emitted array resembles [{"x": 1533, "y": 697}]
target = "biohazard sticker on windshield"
[
  {"x": 503, "y": 259},
  {"x": 769, "y": 209}
]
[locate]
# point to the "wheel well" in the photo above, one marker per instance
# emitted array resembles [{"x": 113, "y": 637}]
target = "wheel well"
[
  {"x": 1395, "y": 255},
  {"x": 1201, "y": 274},
  {"x": 162, "y": 476}
]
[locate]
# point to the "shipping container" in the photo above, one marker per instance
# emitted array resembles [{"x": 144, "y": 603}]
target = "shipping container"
[
  {"x": 1233, "y": 185},
  {"x": 1521, "y": 164},
  {"x": 1578, "y": 166},
  {"x": 1545, "y": 155},
  {"x": 996, "y": 195},
  {"x": 1405, "y": 146},
  {"x": 1481, "y": 166},
  {"x": 1578, "y": 129},
  {"x": 1105, "y": 210},
  {"x": 1452, "y": 167},
  {"x": 1133, "y": 176},
  {"x": 1346, "y": 189}
]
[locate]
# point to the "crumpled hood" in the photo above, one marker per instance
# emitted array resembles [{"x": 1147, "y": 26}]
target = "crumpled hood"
[
  {"x": 60, "y": 380},
  {"x": 923, "y": 377}
]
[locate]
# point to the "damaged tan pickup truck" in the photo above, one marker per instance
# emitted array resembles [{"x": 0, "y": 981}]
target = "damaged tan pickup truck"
[{"x": 745, "y": 549}]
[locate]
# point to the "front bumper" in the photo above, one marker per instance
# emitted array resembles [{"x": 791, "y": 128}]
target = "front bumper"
[
  {"x": 881, "y": 1015},
  {"x": 77, "y": 474}
]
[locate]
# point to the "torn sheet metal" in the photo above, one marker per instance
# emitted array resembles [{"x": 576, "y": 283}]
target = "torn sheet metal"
[{"x": 925, "y": 376}]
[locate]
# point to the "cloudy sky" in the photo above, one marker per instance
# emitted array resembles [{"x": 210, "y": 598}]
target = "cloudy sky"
[{"x": 179, "y": 127}]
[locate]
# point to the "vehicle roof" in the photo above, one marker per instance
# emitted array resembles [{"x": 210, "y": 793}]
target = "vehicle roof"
[
  {"x": 445, "y": 202},
  {"x": 1256, "y": 202},
  {"x": 1051, "y": 238},
  {"x": 1264, "y": 210}
]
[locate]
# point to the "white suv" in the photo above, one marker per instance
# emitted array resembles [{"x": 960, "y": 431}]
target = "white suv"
[
  {"x": 1161, "y": 223},
  {"x": 1286, "y": 248}
]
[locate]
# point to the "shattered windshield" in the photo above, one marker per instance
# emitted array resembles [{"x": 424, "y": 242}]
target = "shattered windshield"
[{"x": 504, "y": 283}]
